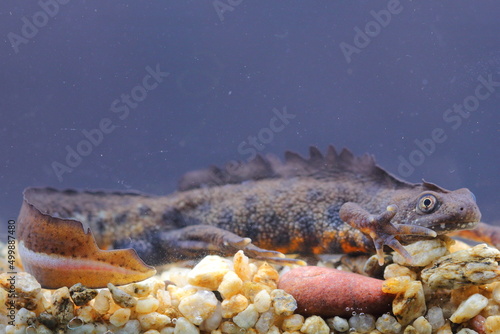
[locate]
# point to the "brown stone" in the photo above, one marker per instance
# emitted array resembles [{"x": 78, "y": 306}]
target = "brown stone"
[{"x": 330, "y": 292}]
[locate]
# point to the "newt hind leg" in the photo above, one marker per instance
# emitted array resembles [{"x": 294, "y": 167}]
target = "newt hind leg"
[
  {"x": 196, "y": 241},
  {"x": 380, "y": 229}
]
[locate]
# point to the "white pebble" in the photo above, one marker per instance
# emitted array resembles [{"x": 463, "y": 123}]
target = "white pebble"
[
  {"x": 24, "y": 316},
  {"x": 247, "y": 318},
  {"x": 183, "y": 326},
  {"x": 262, "y": 301},
  {"x": 422, "y": 325},
  {"x": 423, "y": 252},
  {"x": 168, "y": 330},
  {"x": 209, "y": 272},
  {"x": 120, "y": 317},
  {"x": 266, "y": 320},
  {"x": 469, "y": 308},
  {"x": 84, "y": 329},
  {"x": 339, "y": 324},
  {"x": 153, "y": 320},
  {"x": 315, "y": 325},
  {"x": 435, "y": 317},
  {"x": 147, "y": 305},
  {"x": 102, "y": 302},
  {"x": 132, "y": 326},
  {"x": 199, "y": 306},
  {"x": 387, "y": 324},
  {"x": 273, "y": 330},
  {"x": 362, "y": 323},
  {"x": 292, "y": 323},
  {"x": 213, "y": 321},
  {"x": 467, "y": 331}
]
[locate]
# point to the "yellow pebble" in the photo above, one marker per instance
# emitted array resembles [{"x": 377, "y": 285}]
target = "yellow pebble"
[
  {"x": 147, "y": 305},
  {"x": 234, "y": 305},
  {"x": 120, "y": 317},
  {"x": 492, "y": 324},
  {"x": 231, "y": 285}
]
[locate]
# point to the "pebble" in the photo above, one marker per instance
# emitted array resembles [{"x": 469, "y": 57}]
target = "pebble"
[
  {"x": 262, "y": 301},
  {"x": 338, "y": 324},
  {"x": 234, "y": 305},
  {"x": 435, "y": 317},
  {"x": 231, "y": 284},
  {"x": 247, "y": 318},
  {"x": 213, "y": 321},
  {"x": 292, "y": 323},
  {"x": 362, "y": 323},
  {"x": 266, "y": 321},
  {"x": 144, "y": 288},
  {"x": 121, "y": 297},
  {"x": 229, "y": 327},
  {"x": 209, "y": 272},
  {"x": 251, "y": 289},
  {"x": 283, "y": 302},
  {"x": 26, "y": 287},
  {"x": 469, "y": 308},
  {"x": 446, "y": 329},
  {"x": 102, "y": 302},
  {"x": 199, "y": 306},
  {"x": 81, "y": 295},
  {"x": 48, "y": 320},
  {"x": 474, "y": 266},
  {"x": 467, "y": 331},
  {"x": 132, "y": 326},
  {"x": 63, "y": 308},
  {"x": 492, "y": 324},
  {"x": 477, "y": 323},
  {"x": 422, "y": 326},
  {"x": 25, "y": 317},
  {"x": 330, "y": 292},
  {"x": 85, "y": 313},
  {"x": 410, "y": 303},
  {"x": 153, "y": 320},
  {"x": 267, "y": 275},
  {"x": 387, "y": 324},
  {"x": 396, "y": 270},
  {"x": 183, "y": 326},
  {"x": 315, "y": 325},
  {"x": 120, "y": 317},
  {"x": 147, "y": 305},
  {"x": 241, "y": 265},
  {"x": 422, "y": 252},
  {"x": 496, "y": 293}
]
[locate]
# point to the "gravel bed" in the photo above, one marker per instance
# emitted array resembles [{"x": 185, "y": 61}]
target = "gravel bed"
[{"x": 453, "y": 288}]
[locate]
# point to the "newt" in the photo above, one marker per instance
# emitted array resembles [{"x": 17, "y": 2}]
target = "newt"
[{"x": 327, "y": 203}]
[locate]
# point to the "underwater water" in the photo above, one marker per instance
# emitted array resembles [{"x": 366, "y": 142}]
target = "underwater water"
[{"x": 131, "y": 95}]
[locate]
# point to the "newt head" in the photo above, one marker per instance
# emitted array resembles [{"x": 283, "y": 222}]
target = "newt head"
[{"x": 439, "y": 209}]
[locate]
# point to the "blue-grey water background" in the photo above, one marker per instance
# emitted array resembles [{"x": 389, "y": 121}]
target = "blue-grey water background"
[{"x": 233, "y": 66}]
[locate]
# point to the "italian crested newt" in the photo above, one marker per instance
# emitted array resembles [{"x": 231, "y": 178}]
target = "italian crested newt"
[{"x": 327, "y": 203}]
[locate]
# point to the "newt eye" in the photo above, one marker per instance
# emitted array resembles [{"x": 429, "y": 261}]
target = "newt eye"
[{"x": 427, "y": 203}]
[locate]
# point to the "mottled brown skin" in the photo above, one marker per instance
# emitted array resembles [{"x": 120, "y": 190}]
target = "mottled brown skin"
[{"x": 290, "y": 207}]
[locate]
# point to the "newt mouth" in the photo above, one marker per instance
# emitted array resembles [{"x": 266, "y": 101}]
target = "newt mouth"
[{"x": 442, "y": 228}]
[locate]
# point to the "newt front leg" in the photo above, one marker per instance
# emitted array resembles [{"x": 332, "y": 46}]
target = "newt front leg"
[
  {"x": 196, "y": 241},
  {"x": 380, "y": 229}
]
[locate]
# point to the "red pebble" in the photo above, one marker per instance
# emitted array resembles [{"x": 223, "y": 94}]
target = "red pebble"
[
  {"x": 477, "y": 324},
  {"x": 329, "y": 292}
]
